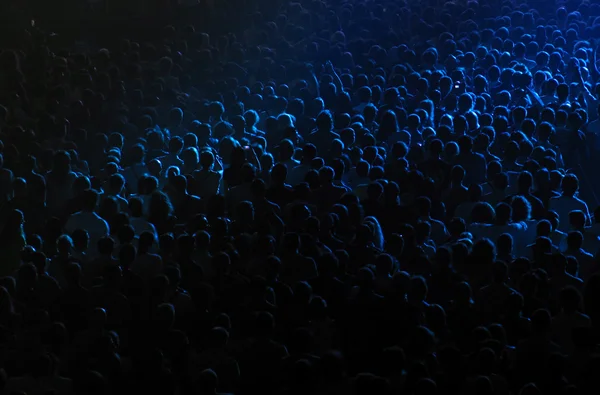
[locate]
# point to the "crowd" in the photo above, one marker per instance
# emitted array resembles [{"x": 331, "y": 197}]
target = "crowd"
[{"x": 317, "y": 197}]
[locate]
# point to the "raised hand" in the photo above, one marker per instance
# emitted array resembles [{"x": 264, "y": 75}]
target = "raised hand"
[{"x": 329, "y": 67}]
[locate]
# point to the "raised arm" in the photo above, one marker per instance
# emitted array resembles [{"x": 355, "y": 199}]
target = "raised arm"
[
  {"x": 595, "y": 73},
  {"x": 588, "y": 95},
  {"x": 313, "y": 83},
  {"x": 253, "y": 159},
  {"x": 218, "y": 164},
  {"x": 336, "y": 78},
  {"x": 534, "y": 95}
]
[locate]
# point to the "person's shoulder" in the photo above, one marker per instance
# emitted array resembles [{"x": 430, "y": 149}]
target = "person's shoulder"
[
  {"x": 583, "y": 318},
  {"x": 75, "y": 215},
  {"x": 97, "y": 290},
  {"x": 80, "y": 292},
  {"x": 436, "y": 221},
  {"x": 587, "y": 254},
  {"x": 298, "y": 167},
  {"x": 485, "y": 289},
  {"x": 101, "y": 291},
  {"x": 479, "y": 225},
  {"x": 238, "y": 188},
  {"x": 194, "y": 198},
  {"x": 48, "y": 280},
  {"x": 98, "y": 219},
  {"x": 181, "y": 294},
  {"x": 574, "y": 279},
  {"x": 556, "y": 199},
  {"x": 377, "y": 298},
  {"x": 571, "y": 280},
  {"x": 340, "y": 188},
  {"x": 273, "y": 205},
  {"x": 493, "y": 157},
  {"x": 440, "y": 162},
  {"x": 517, "y": 225},
  {"x": 153, "y": 256},
  {"x": 560, "y": 233},
  {"x": 534, "y": 198},
  {"x": 133, "y": 278}
]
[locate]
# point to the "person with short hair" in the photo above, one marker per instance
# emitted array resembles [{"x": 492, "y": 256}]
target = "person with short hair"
[
  {"x": 568, "y": 201},
  {"x": 88, "y": 219}
]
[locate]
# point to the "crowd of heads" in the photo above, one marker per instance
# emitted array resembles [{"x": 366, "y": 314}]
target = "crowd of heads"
[{"x": 316, "y": 197}]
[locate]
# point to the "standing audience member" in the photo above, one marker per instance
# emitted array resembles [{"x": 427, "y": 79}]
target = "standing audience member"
[{"x": 301, "y": 198}]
